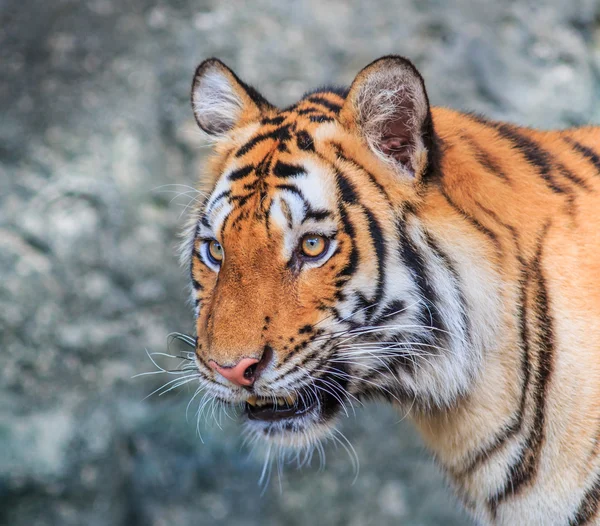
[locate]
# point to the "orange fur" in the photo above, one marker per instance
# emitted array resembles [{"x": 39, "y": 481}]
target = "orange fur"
[{"x": 516, "y": 212}]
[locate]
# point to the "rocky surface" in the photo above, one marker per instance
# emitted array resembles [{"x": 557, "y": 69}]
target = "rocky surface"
[{"x": 95, "y": 126}]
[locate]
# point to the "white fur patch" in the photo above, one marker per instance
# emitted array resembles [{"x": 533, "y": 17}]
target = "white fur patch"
[
  {"x": 216, "y": 104},
  {"x": 385, "y": 95}
]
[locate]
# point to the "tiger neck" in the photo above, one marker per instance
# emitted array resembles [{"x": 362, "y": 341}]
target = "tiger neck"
[
  {"x": 496, "y": 232},
  {"x": 491, "y": 336}
]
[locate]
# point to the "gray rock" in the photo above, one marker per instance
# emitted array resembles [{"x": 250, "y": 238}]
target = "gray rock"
[{"x": 98, "y": 151}]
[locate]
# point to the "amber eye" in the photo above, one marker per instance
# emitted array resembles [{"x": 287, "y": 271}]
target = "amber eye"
[
  {"x": 313, "y": 245},
  {"x": 215, "y": 251}
]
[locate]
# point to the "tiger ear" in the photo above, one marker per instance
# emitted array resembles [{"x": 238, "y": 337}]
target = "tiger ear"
[
  {"x": 221, "y": 101},
  {"x": 387, "y": 104}
]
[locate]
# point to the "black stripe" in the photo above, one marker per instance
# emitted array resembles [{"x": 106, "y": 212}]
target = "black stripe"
[
  {"x": 380, "y": 248},
  {"x": 322, "y": 101},
  {"x": 240, "y": 173},
  {"x": 414, "y": 260},
  {"x": 516, "y": 423},
  {"x": 449, "y": 265},
  {"x": 320, "y": 118},
  {"x": 308, "y": 210},
  {"x": 352, "y": 264},
  {"x": 311, "y": 111},
  {"x": 219, "y": 197},
  {"x": 587, "y": 152},
  {"x": 589, "y": 505},
  {"x": 485, "y": 159},
  {"x": 316, "y": 215},
  {"x": 281, "y": 134},
  {"x": 532, "y": 151},
  {"x": 474, "y": 222},
  {"x": 305, "y": 141},
  {"x": 241, "y": 199},
  {"x": 525, "y": 469},
  {"x": 575, "y": 179},
  {"x": 344, "y": 157},
  {"x": 346, "y": 189},
  {"x": 274, "y": 120},
  {"x": 291, "y": 188},
  {"x": 392, "y": 309},
  {"x": 284, "y": 170}
]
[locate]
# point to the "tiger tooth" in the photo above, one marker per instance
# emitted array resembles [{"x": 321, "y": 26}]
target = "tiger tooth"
[
  {"x": 291, "y": 400},
  {"x": 252, "y": 400}
]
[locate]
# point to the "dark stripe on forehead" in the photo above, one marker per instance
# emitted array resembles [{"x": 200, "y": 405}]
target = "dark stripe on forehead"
[
  {"x": 240, "y": 173},
  {"x": 308, "y": 210},
  {"x": 322, "y": 101},
  {"x": 320, "y": 118},
  {"x": 310, "y": 111},
  {"x": 305, "y": 141},
  {"x": 216, "y": 200},
  {"x": 273, "y": 120},
  {"x": 316, "y": 215},
  {"x": 291, "y": 188},
  {"x": 281, "y": 134},
  {"x": 284, "y": 170}
]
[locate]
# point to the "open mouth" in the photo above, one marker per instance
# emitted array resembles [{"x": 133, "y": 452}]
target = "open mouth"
[
  {"x": 322, "y": 400},
  {"x": 272, "y": 409}
]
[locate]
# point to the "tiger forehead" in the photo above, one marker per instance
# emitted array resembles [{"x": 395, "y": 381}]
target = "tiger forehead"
[
  {"x": 266, "y": 160},
  {"x": 292, "y": 127}
]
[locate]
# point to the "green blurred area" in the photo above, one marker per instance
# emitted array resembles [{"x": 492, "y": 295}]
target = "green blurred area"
[{"x": 95, "y": 126}]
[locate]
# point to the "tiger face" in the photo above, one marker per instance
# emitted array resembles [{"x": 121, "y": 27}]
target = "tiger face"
[{"x": 308, "y": 263}]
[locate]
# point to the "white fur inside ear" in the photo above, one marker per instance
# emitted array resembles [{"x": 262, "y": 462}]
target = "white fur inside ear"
[
  {"x": 216, "y": 104},
  {"x": 392, "y": 95}
]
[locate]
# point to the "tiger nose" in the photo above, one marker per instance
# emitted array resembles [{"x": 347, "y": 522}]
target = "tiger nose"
[{"x": 243, "y": 373}]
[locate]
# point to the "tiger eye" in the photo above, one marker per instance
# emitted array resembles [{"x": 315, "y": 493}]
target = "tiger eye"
[
  {"x": 215, "y": 249},
  {"x": 313, "y": 245}
]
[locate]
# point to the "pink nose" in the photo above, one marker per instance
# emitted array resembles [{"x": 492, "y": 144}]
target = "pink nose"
[{"x": 240, "y": 374}]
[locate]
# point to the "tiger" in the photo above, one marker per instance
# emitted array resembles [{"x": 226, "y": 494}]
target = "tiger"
[{"x": 361, "y": 244}]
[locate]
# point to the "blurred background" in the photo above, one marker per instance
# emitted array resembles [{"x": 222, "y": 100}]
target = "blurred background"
[{"x": 94, "y": 123}]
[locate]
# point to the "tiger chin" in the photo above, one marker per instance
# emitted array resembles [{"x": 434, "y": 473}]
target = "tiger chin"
[{"x": 361, "y": 244}]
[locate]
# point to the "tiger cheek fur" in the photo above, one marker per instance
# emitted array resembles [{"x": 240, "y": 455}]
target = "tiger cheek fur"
[{"x": 451, "y": 269}]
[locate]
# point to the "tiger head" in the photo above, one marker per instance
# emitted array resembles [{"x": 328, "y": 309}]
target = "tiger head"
[{"x": 315, "y": 283}]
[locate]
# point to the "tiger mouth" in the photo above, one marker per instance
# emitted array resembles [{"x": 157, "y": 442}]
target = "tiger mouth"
[
  {"x": 271, "y": 410},
  {"x": 310, "y": 404}
]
